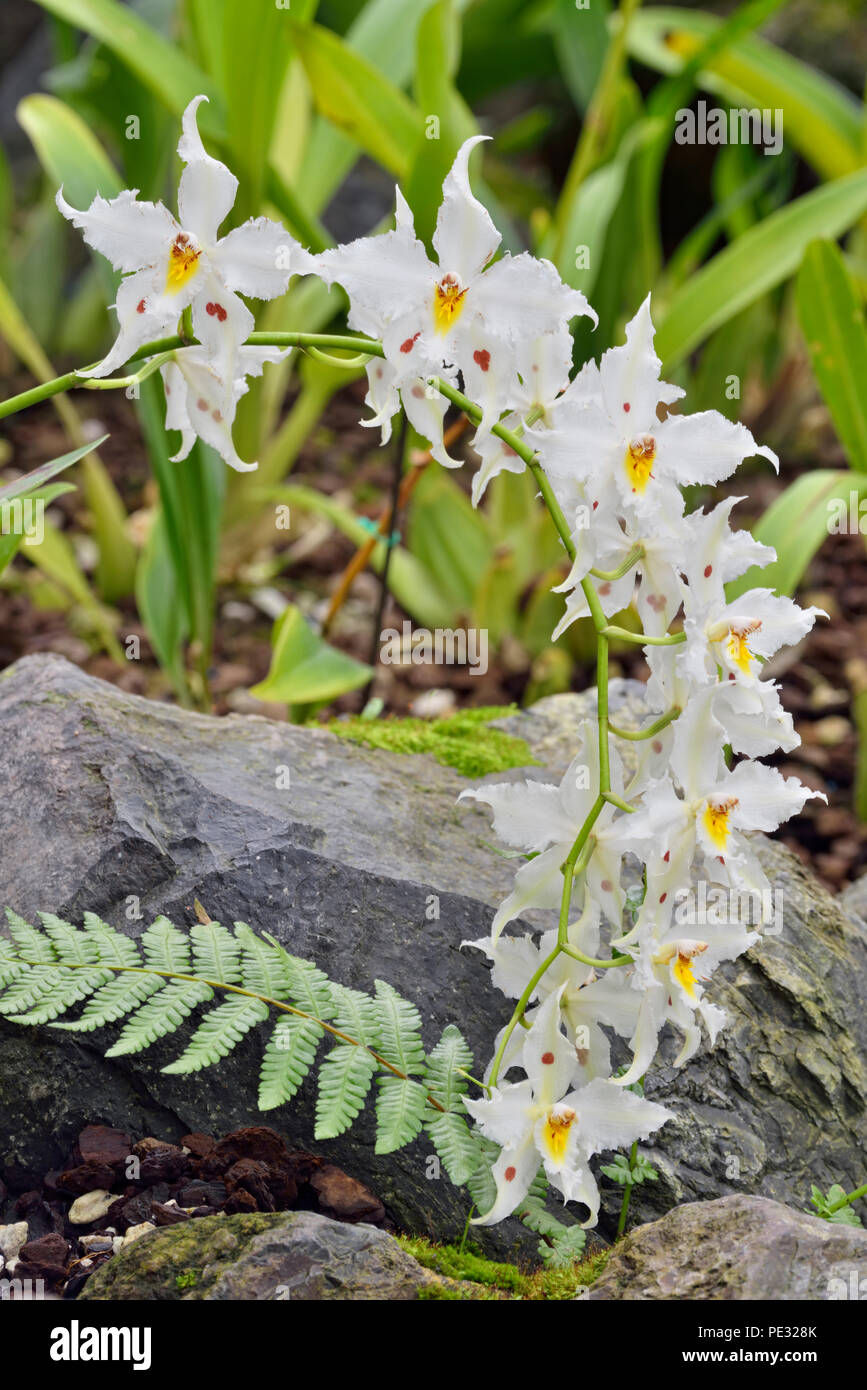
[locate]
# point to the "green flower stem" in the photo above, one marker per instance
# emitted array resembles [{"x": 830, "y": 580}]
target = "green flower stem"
[
  {"x": 518, "y": 1013},
  {"x": 116, "y": 383},
  {"x": 671, "y": 639},
  {"x": 632, "y": 559},
  {"x": 72, "y": 381},
  {"x": 594, "y": 961},
  {"x": 656, "y": 727}
]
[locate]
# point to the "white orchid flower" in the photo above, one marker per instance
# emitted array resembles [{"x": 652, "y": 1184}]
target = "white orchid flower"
[
  {"x": 201, "y": 401},
  {"x": 666, "y": 985},
  {"x": 542, "y": 367},
  {"x": 544, "y": 820},
  {"x": 614, "y": 440},
  {"x": 515, "y": 959},
  {"x": 172, "y": 263},
  {"x": 709, "y": 823},
  {"x": 462, "y": 313},
  {"x": 543, "y": 1119},
  {"x": 736, "y": 639}
]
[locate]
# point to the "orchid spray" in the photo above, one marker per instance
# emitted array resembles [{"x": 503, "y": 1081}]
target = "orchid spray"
[{"x": 610, "y": 451}]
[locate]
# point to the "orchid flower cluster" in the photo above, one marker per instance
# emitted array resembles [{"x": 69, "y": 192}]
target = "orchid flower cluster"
[{"x": 610, "y": 455}]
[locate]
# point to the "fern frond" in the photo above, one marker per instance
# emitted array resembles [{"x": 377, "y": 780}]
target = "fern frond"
[
  {"x": 113, "y": 1001},
  {"x": 10, "y": 965},
  {"x": 71, "y": 947},
  {"x": 344, "y": 1083},
  {"x": 399, "y": 1029},
  {"x": 307, "y": 985},
  {"x": 112, "y": 947},
  {"x": 70, "y": 988},
  {"x": 289, "y": 1054},
  {"x": 216, "y": 953},
  {"x": 400, "y": 1110},
  {"x": 263, "y": 967},
  {"x": 162, "y": 1014},
  {"x": 481, "y": 1185},
  {"x": 166, "y": 947},
  {"x": 33, "y": 984},
  {"x": 449, "y": 1058},
  {"x": 33, "y": 947},
  {"x": 218, "y": 1033},
  {"x": 453, "y": 1140}
]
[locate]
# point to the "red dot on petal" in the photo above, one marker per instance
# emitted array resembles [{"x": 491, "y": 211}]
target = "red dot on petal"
[
  {"x": 409, "y": 344},
  {"x": 215, "y": 415},
  {"x": 606, "y": 885},
  {"x": 663, "y": 897},
  {"x": 483, "y": 358},
  {"x": 221, "y": 313},
  {"x": 720, "y": 858},
  {"x": 547, "y": 1058},
  {"x": 666, "y": 856},
  {"x": 211, "y": 309},
  {"x": 627, "y": 407},
  {"x": 140, "y": 307},
  {"x": 656, "y": 746},
  {"x": 202, "y": 404},
  {"x": 510, "y": 1174},
  {"x": 708, "y": 571},
  {"x": 595, "y": 505}
]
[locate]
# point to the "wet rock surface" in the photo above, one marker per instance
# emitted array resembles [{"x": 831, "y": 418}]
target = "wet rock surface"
[{"x": 737, "y": 1248}]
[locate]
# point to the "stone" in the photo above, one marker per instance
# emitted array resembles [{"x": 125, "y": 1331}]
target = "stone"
[
  {"x": 144, "y": 799},
  {"x": 85, "y": 1178},
  {"x": 135, "y": 1233},
  {"x": 345, "y": 1198},
  {"x": 91, "y": 1207},
  {"x": 99, "y": 1144},
  {"x": 45, "y": 1258},
  {"x": 737, "y": 1248},
  {"x": 12, "y": 1237},
  {"x": 282, "y": 1256}
]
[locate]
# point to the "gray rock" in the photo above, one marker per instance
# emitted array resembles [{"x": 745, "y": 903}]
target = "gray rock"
[
  {"x": 287, "y": 1256},
  {"x": 737, "y": 1248},
  {"x": 114, "y": 803},
  {"x": 92, "y": 1206}
]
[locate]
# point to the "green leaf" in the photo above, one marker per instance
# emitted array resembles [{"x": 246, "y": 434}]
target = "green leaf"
[
  {"x": 68, "y": 151},
  {"x": 162, "y": 66},
  {"x": 833, "y": 322},
  {"x": 304, "y": 668},
  {"x": 581, "y": 41},
  {"x": 400, "y": 1111},
  {"x": 453, "y": 1142},
  {"x": 449, "y": 1058},
  {"x": 120, "y": 996},
  {"x": 161, "y": 1015},
  {"x": 449, "y": 538},
  {"x": 255, "y": 38},
  {"x": 289, "y": 1054},
  {"x": 758, "y": 261},
  {"x": 216, "y": 953},
  {"x": 218, "y": 1033},
  {"x": 344, "y": 1083},
  {"x": 797, "y": 523},
  {"x": 399, "y": 1025},
  {"x": 355, "y": 96},
  {"x": 166, "y": 947},
  {"x": 821, "y": 119}
]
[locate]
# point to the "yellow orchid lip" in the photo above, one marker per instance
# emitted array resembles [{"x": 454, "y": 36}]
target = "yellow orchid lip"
[
  {"x": 183, "y": 263},
  {"x": 735, "y": 638},
  {"x": 681, "y": 955},
  {"x": 639, "y": 461},
  {"x": 555, "y": 1131},
  {"x": 716, "y": 821},
  {"x": 448, "y": 303}
]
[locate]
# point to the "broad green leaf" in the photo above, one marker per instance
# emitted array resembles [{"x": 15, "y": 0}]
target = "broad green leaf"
[
  {"x": 304, "y": 668},
  {"x": 449, "y": 538},
  {"x": 161, "y": 606},
  {"x": 820, "y": 118},
  {"x": 758, "y": 261},
  {"x": 833, "y": 322},
  {"x": 816, "y": 505},
  {"x": 357, "y": 98},
  {"x": 163, "y": 67},
  {"x": 15, "y": 524},
  {"x": 68, "y": 151},
  {"x": 581, "y": 41},
  {"x": 46, "y": 471}
]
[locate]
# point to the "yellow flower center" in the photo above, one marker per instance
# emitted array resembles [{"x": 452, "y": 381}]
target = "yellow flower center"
[
  {"x": 448, "y": 303},
  {"x": 639, "y": 461},
  {"x": 680, "y": 955},
  {"x": 737, "y": 646},
  {"x": 556, "y": 1131},
  {"x": 716, "y": 821},
  {"x": 183, "y": 263}
]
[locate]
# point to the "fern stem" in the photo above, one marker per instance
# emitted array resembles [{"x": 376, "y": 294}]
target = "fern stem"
[{"x": 250, "y": 994}]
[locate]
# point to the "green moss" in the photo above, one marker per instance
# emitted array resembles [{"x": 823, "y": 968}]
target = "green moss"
[
  {"x": 464, "y": 741},
  {"x": 501, "y": 1279},
  {"x": 187, "y": 1279}
]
